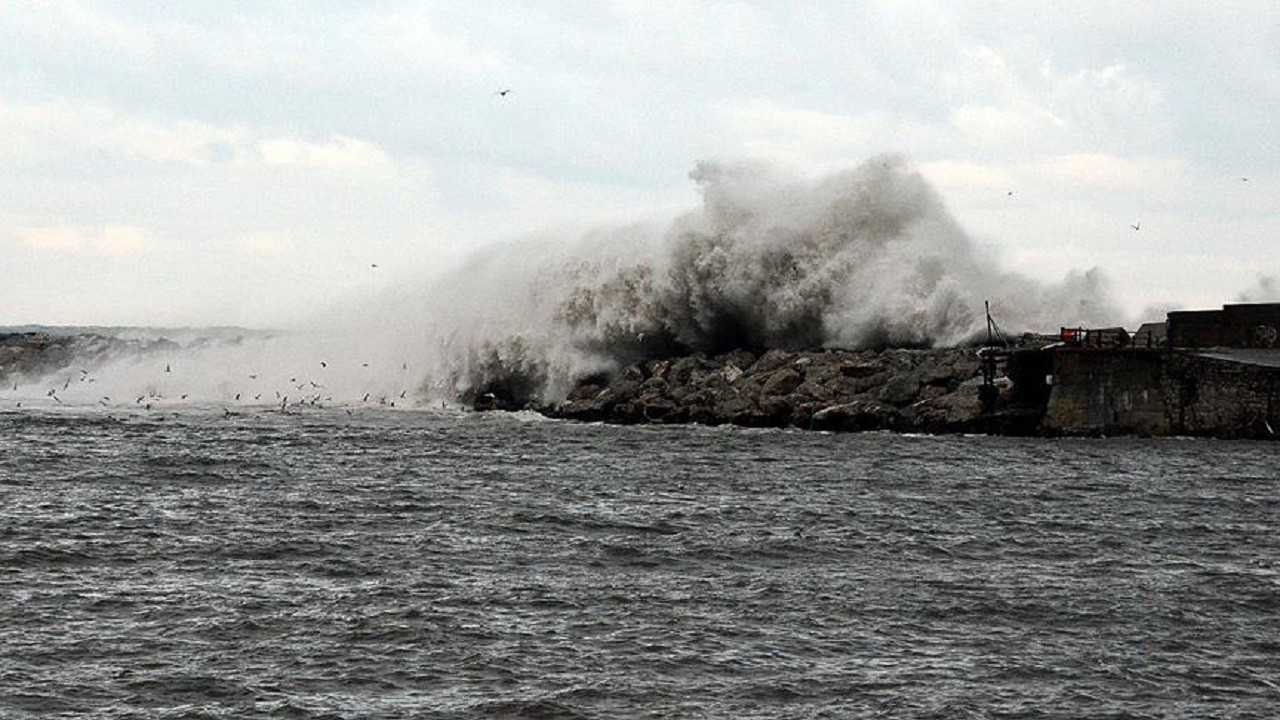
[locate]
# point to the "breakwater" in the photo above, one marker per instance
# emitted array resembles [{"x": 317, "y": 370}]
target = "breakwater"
[
  {"x": 1035, "y": 390},
  {"x": 896, "y": 389}
]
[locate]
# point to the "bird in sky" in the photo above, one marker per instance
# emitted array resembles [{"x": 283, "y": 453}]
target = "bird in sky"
[
  {"x": 373, "y": 265},
  {"x": 1136, "y": 226},
  {"x": 503, "y": 92}
]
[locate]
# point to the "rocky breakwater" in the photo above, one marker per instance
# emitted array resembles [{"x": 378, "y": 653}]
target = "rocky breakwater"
[{"x": 898, "y": 389}]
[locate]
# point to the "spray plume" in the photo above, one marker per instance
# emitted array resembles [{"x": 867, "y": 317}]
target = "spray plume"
[{"x": 865, "y": 258}]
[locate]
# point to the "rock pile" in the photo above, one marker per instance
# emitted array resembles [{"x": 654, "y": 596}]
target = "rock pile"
[{"x": 897, "y": 389}]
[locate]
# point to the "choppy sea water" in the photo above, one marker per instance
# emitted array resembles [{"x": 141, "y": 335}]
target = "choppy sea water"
[{"x": 436, "y": 565}]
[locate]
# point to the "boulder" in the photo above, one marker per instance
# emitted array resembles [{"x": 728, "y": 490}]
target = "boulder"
[
  {"x": 860, "y": 415},
  {"x": 782, "y": 382},
  {"x": 951, "y": 412},
  {"x": 900, "y": 389}
]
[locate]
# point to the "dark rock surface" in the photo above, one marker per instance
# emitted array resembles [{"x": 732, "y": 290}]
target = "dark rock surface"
[{"x": 903, "y": 390}]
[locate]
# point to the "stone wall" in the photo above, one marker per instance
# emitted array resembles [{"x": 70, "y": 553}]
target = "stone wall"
[
  {"x": 1107, "y": 392},
  {"x": 1153, "y": 392},
  {"x": 1221, "y": 398}
]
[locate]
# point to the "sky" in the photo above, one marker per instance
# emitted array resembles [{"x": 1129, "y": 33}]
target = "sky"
[{"x": 249, "y": 163}]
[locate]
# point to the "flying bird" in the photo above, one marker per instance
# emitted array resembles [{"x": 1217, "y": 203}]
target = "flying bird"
[
  {"x": 1136, "y": 226},
  {"x": 503, "y": 92}
]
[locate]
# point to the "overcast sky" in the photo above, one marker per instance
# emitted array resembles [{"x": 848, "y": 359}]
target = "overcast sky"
[{"x": 245, "y": 162}]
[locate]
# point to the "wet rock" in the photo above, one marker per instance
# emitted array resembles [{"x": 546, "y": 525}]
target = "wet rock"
[
  {"x": 900, "y": 390},
  {"x": 772, "y": 360},
  {"x": 782, "y": 382},
  {"x": 952, "y": 412},
  {"x": 857, "y": 416},
  {"x": 821, "y": 389}
]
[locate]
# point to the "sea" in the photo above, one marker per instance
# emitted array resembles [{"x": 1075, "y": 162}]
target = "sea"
[{"x": 199, "y": 563}]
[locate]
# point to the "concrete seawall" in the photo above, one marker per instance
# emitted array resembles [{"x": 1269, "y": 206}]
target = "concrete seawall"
[{"x": 1215, "y": 393}]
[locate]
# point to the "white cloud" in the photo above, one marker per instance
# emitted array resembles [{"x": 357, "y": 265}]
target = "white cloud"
[
  {"x": 1105, "y": 171},
  {"x": 54, "y": 239},
  {"x": 65, "y": 131},
  {"x": 337, "y": 152},
  {"x": 267, "y": 244},
  {"x": 111, "y": 240},
  {"x": 120, "y": 240}
]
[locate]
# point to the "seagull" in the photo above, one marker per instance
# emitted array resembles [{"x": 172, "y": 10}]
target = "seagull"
[
  {"x": 1010, "y": 193},
  {"x": 503, "y": 92},
  {"x": 253, "y": 377},
  {"x": 373, "y": 265},
  {"x": 1136, "y": 226},
  {"x": 166, "y": 367},
  {"x": 1244, "y": 179},
  {"x": 324, "y": 364}
]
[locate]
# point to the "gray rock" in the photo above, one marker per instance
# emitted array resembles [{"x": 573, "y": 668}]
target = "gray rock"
[
  {"x": 900, "y": 390},
  {"x": 782, "y": 382},
  {"x": 859, "y": 415}
]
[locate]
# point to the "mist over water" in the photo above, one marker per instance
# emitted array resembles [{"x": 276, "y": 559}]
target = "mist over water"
[{"x": 865, "y": 258}]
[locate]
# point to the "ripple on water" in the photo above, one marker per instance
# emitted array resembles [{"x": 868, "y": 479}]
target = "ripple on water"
[{"x": 423, "y": 565}]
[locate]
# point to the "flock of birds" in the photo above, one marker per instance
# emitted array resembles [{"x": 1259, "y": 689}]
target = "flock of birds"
[{"x": 300, "y": 393}]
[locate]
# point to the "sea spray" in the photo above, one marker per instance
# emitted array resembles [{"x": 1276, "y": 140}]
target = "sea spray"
[{"x": 865, "y": 258}]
